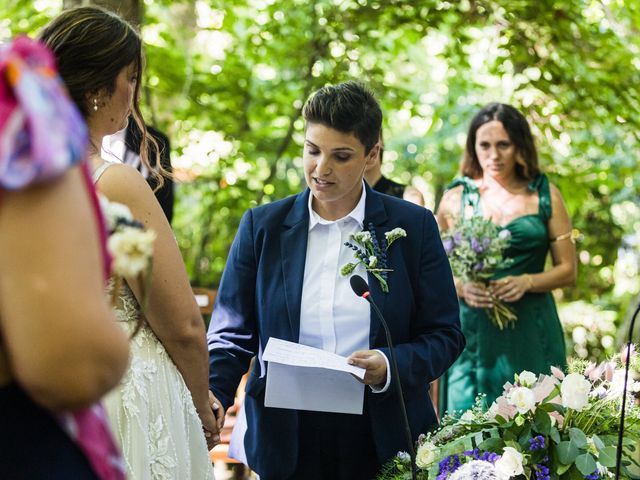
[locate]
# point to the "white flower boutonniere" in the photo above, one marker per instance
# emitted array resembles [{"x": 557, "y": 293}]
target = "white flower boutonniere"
[{"x": 372, "y": 253}]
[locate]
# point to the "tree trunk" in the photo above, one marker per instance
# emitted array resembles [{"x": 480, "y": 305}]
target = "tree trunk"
[{"x": 130, "y": 10}]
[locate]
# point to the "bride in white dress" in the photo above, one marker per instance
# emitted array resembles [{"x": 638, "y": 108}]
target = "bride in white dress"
[
  {"x": 161, "y": 407},
  {"x": 151, "y": 411}
]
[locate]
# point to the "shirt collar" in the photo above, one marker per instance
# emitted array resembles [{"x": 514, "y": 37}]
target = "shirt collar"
[{"x": 356, "y": 214}]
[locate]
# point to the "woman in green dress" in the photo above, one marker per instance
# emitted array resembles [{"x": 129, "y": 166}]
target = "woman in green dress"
[{"x": 502, "y": 182}]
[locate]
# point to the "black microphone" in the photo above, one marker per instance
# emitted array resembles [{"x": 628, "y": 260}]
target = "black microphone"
[
  {"x": 624, "y": 393},
  {"x": 360, "y": 288}
]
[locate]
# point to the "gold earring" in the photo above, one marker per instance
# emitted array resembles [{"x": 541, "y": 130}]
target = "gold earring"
[{"x": 95, "y": 104}]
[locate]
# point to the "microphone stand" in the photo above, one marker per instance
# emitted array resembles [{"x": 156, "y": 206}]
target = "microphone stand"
[
  {"x": 396, "y": 377},
  {"x": 624, "y": 394}
]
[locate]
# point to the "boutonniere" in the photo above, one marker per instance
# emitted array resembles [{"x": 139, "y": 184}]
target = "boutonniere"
[{"x": 372, "y": 253}]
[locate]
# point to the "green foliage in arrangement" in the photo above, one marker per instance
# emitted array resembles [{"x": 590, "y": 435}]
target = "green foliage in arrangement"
[
  {"x": 548, "y": 426},
  {"x": 226, "y": 80}
]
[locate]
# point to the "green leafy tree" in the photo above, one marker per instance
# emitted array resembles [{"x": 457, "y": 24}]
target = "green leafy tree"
[{"x": 227, "y": 80}]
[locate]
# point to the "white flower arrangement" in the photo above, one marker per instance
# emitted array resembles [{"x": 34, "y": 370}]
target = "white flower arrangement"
[
  {"x": 477, "y": 470},
  {"x": 561, "y": 426},
  {"x": 130, "y": 247}
]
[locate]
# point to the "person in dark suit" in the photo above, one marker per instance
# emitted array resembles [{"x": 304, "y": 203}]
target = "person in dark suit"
[
  {"x": 380, "y": 183},
  {"x": 132, "y": 139},
  {"x": 283, "y": 279},
  {"x": 124, "y": 146}
]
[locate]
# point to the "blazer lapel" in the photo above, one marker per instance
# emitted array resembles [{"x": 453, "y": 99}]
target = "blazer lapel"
[
  {"x": 293, "y": 249},
  {"x": 376, "y": 215}
]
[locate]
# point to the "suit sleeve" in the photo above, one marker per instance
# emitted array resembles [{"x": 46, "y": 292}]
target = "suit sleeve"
[
  {"x": 232, "y": 335},
  {"x": 436, "y": 338}
]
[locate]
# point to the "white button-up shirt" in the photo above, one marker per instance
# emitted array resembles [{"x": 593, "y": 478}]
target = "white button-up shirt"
[{"x": 332, "y": 317}]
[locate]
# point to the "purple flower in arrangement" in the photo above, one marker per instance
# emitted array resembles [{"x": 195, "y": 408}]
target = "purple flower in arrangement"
[
  {"x": 593, "y": 476},
  {"x": 476, "y": 246},
  {"x": 542, "y": 472},
  {"x": 536, "y": 443},
  {"x": 484, "y": 456},
  {"x": 540, "y": 469},
  {"x": 489, "y": 457},
  {"x": 448, "y": 245},
  {"x": 478, "y": 266},
  {"x": 486, "y": 243},
  {"x": 472, "y": 453},
  {"x": 457, "y": 238},
  {"x": 447, "y": 466}
]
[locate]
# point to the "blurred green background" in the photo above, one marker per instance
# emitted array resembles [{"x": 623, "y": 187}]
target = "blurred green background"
[{"x": 226, "y": 81}]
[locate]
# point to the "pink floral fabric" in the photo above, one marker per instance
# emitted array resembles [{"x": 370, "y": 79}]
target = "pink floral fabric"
[{"x": 42, "y": 134}]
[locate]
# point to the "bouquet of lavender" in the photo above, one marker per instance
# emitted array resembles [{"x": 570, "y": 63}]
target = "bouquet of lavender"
[{"x": 475, "y": 247}]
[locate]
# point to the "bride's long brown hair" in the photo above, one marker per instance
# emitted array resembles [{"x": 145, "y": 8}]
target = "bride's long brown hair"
[{"x": 92, "y": 46}]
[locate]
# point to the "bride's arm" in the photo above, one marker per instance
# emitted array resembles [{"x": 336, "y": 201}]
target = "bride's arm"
[{"x": 172, "y": 311}]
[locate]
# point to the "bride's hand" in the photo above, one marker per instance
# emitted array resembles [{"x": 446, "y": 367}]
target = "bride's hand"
[{"x": 210, "y": 428}]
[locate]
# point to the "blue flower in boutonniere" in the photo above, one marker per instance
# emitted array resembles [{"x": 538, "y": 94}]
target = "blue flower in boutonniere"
[{"x": 372, "y": 253}]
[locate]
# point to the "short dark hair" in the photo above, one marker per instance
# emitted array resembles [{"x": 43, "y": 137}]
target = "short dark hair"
[
  {"x": 519, "y": 133},
  {"x": 348, "y": 107}
]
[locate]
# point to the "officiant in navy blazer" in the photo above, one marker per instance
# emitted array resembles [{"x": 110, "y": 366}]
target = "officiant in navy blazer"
[{"x": 283, "y": 279}]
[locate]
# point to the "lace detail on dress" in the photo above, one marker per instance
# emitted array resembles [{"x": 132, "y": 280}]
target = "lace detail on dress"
[
  {"x": 128, "y": 308},
  {"x": 151, "y": 411}
]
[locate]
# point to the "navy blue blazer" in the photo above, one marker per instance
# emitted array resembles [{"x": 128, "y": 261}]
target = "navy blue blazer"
[{"x": 259, "y": 297}]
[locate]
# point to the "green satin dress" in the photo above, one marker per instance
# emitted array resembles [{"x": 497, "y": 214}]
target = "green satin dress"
[{"x": 492, "y": 356}]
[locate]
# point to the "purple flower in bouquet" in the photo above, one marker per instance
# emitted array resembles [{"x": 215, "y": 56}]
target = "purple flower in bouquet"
[
  {"x": 448, "y": 244},
  {"x": 478, "y": 266},
  {"x": 476, "y": 246}
]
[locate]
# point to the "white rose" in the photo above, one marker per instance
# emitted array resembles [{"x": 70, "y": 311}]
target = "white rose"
[
  {"x": 523, "y": 399},
  {"x": 575, "y": 391},
  {"x": 527, "y": 379},
  {"x": 510, "y": 463},
  {"x": 131, "y": 249},
  {"x": 426, "y": 454}
]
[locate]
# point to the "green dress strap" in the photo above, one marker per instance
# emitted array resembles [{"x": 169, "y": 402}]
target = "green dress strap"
[
  {"x": 541, "y": 185},
  {"x": 470, "y": 194}
]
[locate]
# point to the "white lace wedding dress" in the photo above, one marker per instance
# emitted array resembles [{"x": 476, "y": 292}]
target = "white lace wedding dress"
[{"x": 151, "y": 412}]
